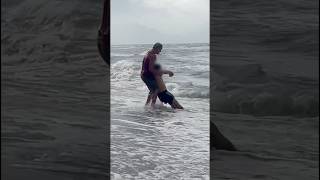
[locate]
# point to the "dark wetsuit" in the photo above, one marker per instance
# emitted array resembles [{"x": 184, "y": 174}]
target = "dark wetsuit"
[
  {"x": 147, "y": 76},
  {"x": 166, "y": 97}
]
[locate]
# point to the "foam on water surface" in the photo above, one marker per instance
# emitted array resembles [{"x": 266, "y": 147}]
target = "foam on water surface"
[{"x": 157, "y": 143}]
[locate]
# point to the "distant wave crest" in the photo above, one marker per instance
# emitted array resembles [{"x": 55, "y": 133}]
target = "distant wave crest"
[
  {"x": 267, "y": 104},
  {"x": 251, "y": 90}
]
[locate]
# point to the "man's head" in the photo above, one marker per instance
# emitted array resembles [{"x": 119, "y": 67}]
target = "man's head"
[{"x": 157, "y": 47}]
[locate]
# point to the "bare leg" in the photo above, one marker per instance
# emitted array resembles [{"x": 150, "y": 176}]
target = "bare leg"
[
  {"x": 176, "y": 105},
  {"x": 148, "y": 99},
  {"x": 154, "y": 98},
  {"x": 173, "y": 105}
]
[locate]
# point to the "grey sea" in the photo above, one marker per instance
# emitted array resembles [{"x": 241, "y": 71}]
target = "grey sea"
[
  {"x": 265, "y": 88},
  {"x": 160, "y": 143},
  {"x": 54, "y": 91}
]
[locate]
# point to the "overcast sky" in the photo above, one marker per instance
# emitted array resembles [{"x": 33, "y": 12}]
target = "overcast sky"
[{"x": 166, "y": 21}]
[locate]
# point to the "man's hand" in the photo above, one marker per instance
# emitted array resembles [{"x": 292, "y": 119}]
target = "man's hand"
[{"x": 167, "y": 72}]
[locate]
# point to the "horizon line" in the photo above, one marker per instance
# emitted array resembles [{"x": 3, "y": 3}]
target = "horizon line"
[{"x": 160, "y": 42}]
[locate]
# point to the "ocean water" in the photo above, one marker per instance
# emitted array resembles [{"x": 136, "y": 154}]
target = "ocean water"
[
  {"x": 160, "y": 143},
  {"x": 265, "y": 88},
  {"x": 54, "y": 91}
]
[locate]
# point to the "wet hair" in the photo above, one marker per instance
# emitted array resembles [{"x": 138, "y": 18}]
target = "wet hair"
[{"x": 157, "y": 46}]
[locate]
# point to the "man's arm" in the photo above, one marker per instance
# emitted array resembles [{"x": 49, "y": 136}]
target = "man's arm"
[
  {"x": 157, "y": 72},
  {"x": 167, "y": 72}
]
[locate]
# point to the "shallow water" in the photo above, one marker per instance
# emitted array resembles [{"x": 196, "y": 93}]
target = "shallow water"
[
  {"x": 160, "y": 143},
  {"x": 265, "y": 69},
  {"x": 54, "y": 92},
  {"x": 270, "y": 147}
]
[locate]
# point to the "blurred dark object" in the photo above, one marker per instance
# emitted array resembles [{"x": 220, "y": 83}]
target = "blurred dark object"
[
  {"x": 104, "y": 34},
  {"x": 218, "y": 141}
]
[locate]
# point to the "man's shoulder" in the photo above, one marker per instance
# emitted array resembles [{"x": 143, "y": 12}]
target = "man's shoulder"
[{"x": 151, "y": 56}]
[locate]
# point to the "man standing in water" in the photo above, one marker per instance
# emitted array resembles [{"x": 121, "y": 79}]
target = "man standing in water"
[{"x": 148, "y": 73}]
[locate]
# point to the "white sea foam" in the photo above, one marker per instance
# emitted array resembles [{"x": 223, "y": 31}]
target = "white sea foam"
[{"x": 160, "y": 143}]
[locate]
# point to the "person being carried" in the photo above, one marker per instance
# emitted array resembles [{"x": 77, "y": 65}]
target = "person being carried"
[
  {"x": 148, "y": 73},
  {"x": 163, "y": 94}
]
